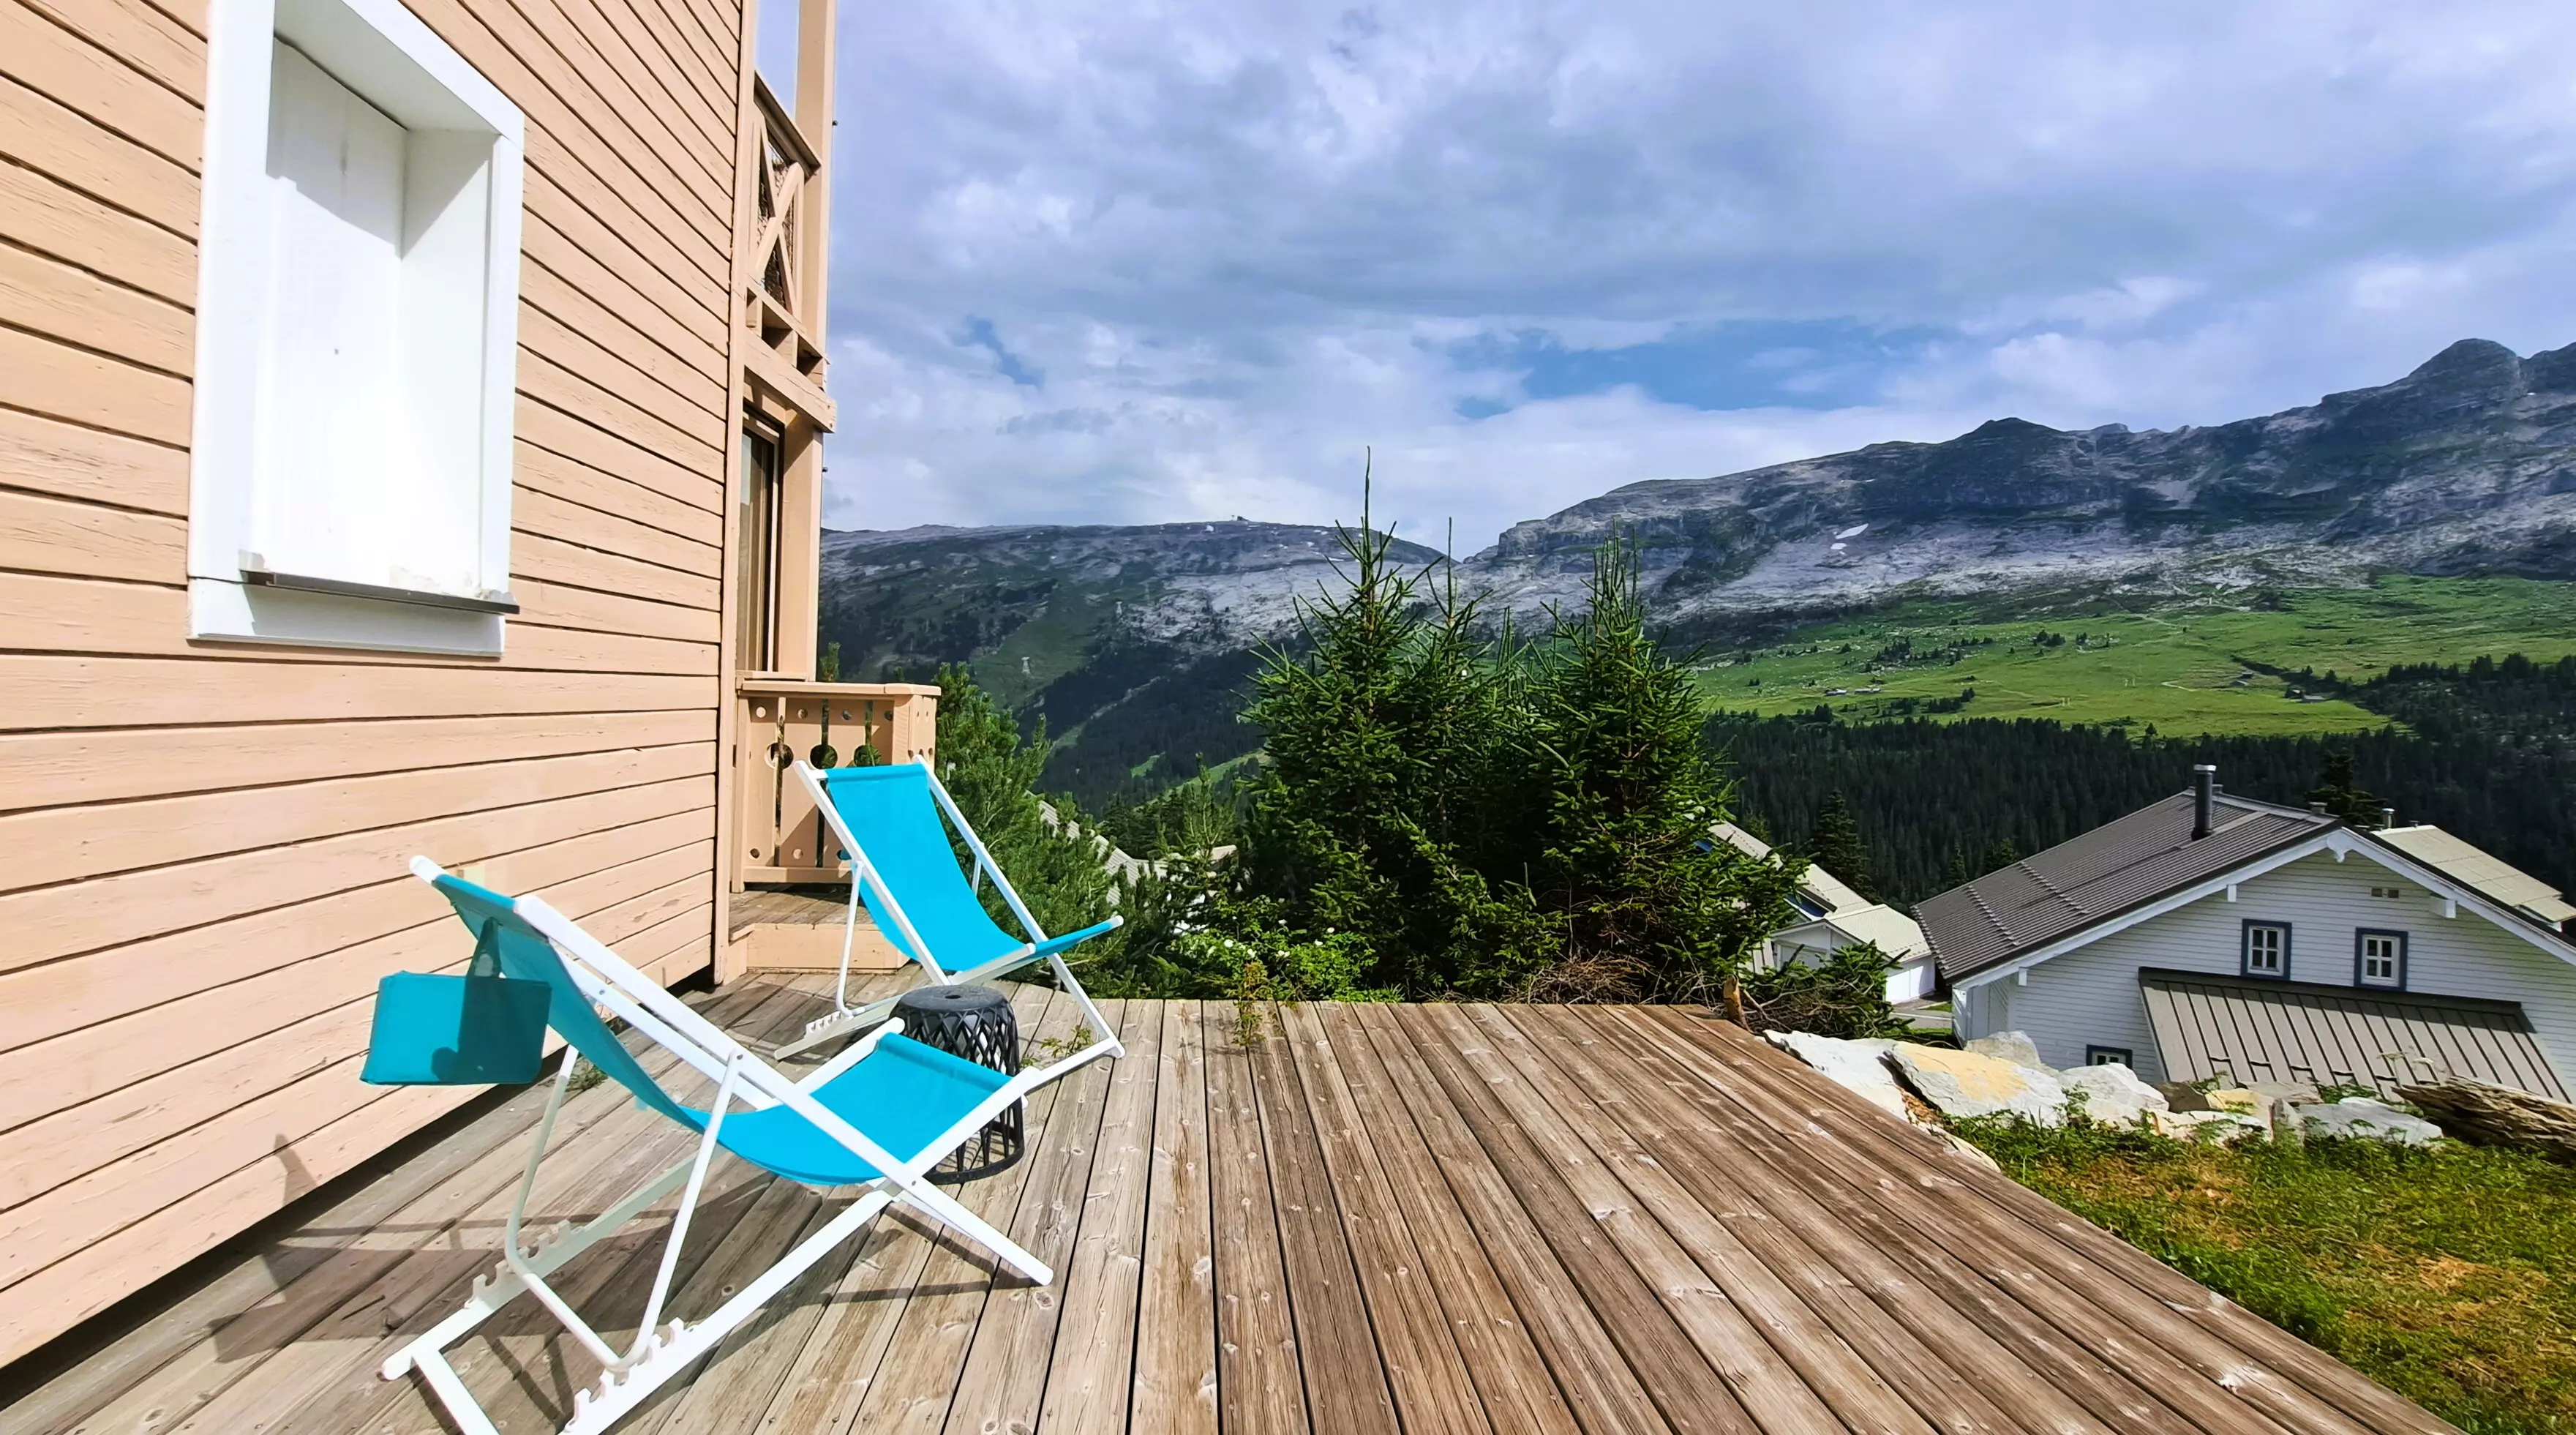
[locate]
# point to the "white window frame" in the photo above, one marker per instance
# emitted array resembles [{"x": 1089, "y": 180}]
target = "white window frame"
[
  {"x": 2245, "y": 950},
  {"x": 385, "y": 54},
  {"x": 2361, "y": 977}
]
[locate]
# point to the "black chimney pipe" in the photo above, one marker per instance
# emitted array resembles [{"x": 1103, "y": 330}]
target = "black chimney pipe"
[{"x": 2204, "y": 796}]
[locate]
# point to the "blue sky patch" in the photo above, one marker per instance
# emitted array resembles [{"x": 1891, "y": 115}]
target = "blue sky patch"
[
  {"x": 1799, "y": 364},
  {"x": 979, "y": 334}
]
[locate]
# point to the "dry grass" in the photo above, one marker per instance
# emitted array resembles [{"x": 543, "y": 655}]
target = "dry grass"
[{"x": 2448, "y": 1274}]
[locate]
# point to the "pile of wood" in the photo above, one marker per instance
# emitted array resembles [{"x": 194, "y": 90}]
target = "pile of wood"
[{"x": 2498, "y": 1116}]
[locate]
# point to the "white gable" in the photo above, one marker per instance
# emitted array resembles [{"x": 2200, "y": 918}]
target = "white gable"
[{"x": 2086, "y": 995}]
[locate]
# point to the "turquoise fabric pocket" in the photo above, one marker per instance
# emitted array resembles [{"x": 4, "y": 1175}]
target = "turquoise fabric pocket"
[{"x": 480, "y": 1029}]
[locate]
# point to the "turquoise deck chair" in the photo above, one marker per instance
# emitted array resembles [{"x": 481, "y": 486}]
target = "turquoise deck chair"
[
  {"x": 888, "y": 821},
  {"x": 877, "y": 1116}
]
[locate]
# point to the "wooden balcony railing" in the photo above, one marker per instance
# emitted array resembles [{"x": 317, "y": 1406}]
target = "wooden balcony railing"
[
  {"x": 785, "y": 293},
  {"x": 777, "y": 837}
]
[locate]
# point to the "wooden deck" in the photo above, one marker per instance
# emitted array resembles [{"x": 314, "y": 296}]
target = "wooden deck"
[
  {"x": 780, "y": 908},
  {"x": 1372, "y": 1219}
]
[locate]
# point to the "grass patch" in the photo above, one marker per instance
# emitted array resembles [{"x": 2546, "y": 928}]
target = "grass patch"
[
  {"x": 2447, "y": 1274},
  {"x": 2173, "y": 663}
]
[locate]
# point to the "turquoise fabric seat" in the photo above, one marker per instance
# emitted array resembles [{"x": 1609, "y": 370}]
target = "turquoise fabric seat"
[
  {"x": 903, "y": 1097},
  {"x": 871, "y": 1122},
  {"x": 892, "y": 811}
]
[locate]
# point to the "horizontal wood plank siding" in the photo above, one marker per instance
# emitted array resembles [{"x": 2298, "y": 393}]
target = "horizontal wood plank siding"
[{"x": 204, "y": 842}]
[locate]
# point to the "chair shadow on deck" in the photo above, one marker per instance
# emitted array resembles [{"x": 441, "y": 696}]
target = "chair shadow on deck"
[{"x": 317, "y": 1270}]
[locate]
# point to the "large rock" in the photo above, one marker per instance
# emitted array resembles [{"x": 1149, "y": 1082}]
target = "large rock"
[
  {"x": 2499, "y": 1116},
  {"x": 2225, "y": 1127},
  {"x": 2361, "y": 1117},
  {"x": 2013, "y": 1046},
  {"x": 1860, "y": 1066},
  {"x": 1968, "y": 1083},
  {"x": 2244, "y": 1101},
  {"x": 2286, "y": 1093},
  {"x": 2113, "y": 1094},
  {"x": 2183, "y": 1096},
  {"x": 1960, "y": 1146}
]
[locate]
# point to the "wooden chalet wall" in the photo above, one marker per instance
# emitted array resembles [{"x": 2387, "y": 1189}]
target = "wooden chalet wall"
[{"x": 202, "y": 844}]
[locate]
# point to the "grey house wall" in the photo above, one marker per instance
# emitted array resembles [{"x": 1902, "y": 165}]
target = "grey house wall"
[{"x": 2089, "y": 997}]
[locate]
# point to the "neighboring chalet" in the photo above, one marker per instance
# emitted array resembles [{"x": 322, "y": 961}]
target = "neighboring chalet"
[
  {"x": 1831, "y": 917},
  {"x": 408, "y": 444},
  {"x": 2210, "y": 935}
]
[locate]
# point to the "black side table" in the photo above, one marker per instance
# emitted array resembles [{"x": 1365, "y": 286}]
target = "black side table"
[{"x": 978, "y": 1024}]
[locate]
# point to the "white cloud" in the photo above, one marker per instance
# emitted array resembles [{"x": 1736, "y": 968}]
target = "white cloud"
[{"x": 1241, "y": 242}]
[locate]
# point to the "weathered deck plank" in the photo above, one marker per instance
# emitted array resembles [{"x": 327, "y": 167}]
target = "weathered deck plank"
[
  {"x": 917, "y": 1381},
  {"x": 1346, "y": 1374},
  {"x": 1510, "y": 1378},
  {"x": 1175, "y": 1382},
  {"x": 1458, "y": 1220},
  {"x": 1423, "y": 1364},
  {"x": 1085, "y": 1387},
  {"x": 1260, "y": 1387}
]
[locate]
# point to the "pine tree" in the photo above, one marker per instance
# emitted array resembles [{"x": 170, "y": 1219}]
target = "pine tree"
[
  {"x": 1383, "y": 723},
  {"x": 1836, "y": 846},
  {"x": 1630, "y": 793},
  {"x": 2340, "y": 792}
]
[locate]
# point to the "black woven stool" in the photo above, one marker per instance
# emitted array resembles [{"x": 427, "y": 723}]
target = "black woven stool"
[{"x": 978, "y": 1024}]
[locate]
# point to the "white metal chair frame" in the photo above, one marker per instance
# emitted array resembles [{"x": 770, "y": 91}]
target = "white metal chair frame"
[
  {"x": 845, "y": 1018},
  {"x": 659, "y": 1353}
]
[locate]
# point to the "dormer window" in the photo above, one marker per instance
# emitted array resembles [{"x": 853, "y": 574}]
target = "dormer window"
[
  {"x": 2379, "y": 959},
  {"x": 2266, "y": 950}
]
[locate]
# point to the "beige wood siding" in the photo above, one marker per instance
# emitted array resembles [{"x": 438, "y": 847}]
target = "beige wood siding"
[{"x": 201, "y": 845}]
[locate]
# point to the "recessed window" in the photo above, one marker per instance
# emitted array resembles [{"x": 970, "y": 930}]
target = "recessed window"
[
  {"x": 357, "y": 326},
  {"x": 2107, "y": 1056},
  {"x": 2379, "y": 959},
  {"x": 756, "y": 592},
  {"x": 2267, "y": 949}
]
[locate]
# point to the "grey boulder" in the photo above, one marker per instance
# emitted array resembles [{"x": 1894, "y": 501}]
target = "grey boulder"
[
  {"x": 2113, "y": 1094},
  {"x": 1860, "y": 1066},
  {"x": 2013, "y": 1046},
  {"x": 1970, "y": 1083},
  {"x": 2359, "y": 1116}
]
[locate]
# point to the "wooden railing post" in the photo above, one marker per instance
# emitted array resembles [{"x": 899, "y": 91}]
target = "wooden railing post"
[{"x": 776, "y": 837}]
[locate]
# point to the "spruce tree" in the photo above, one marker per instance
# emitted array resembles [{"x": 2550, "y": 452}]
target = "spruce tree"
[
  {"x": 2341, "y": 792},
  {"x": 1629, "y": 793},
  {"x": 1836, "y": 846},
  {"x": 1382, "y": 724}
]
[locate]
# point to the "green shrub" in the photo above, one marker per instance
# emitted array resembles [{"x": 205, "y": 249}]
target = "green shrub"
[{"x": 1845, "y": 996}]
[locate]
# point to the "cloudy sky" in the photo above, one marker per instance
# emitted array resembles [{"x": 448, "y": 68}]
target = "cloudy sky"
[{"x": 1171, "y": 259}]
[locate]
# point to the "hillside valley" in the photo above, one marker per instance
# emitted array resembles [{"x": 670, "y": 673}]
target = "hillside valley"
[{"x": 2179, "y": 572}]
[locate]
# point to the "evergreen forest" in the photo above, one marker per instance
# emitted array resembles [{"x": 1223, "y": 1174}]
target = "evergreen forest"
[{"x": 2487, "y": 752}]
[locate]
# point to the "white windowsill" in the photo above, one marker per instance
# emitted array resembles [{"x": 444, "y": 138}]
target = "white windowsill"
[{"x": 233, "y": 612}]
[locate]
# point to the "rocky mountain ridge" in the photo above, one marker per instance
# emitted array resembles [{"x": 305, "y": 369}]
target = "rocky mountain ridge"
[
  {"x": 1135, "y": 643},
  {"x": 2468, "y": 464}
]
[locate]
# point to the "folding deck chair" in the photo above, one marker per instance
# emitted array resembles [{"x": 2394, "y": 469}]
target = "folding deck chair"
[
  {"x": 876, "y": 1116},
  {"x": 907, "y": 876}
]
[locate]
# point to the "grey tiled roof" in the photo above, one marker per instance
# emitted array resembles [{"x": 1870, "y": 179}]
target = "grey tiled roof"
[{"x": 2107, "y": 871}]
